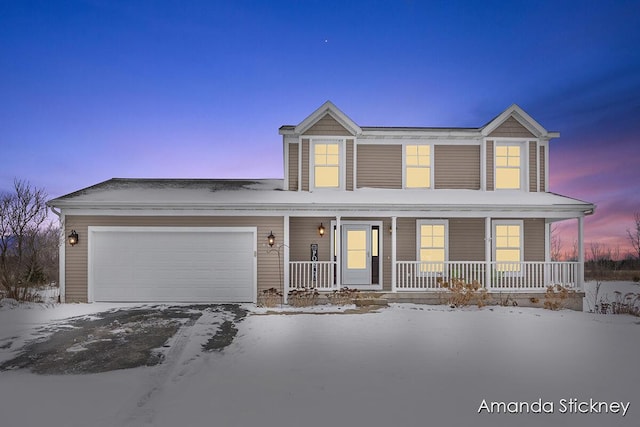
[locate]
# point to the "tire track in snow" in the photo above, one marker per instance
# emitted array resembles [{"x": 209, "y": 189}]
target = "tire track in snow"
[{"x": 185, "y": 348}]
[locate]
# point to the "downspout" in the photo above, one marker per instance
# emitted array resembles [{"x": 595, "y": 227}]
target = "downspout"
[{"x": 61, "y": 256}]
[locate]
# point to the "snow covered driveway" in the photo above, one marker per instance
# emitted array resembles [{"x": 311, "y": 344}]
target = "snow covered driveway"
[
  {"x": 122, "y": 338},
  {"x": 406, "y": 365}
]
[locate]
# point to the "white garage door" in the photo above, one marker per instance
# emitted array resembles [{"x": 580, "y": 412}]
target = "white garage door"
[{"x": 172, "y": 264}]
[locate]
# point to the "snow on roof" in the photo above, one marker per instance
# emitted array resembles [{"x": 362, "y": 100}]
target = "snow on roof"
[{"x": 269, "y": 193}]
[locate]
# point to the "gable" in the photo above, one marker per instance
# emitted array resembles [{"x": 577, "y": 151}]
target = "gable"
[
  {"x": 514, "y": 122},
  {"x": 327, "y": 125},
  {"x": 512, "y": 128},
  {"x": 328, "y": 118}
]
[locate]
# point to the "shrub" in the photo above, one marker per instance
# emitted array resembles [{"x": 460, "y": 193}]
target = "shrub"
[
  {"x": 269, "y": 298},
  {"x": 555, "y": 297},
  {"x": 461, "y": 294},
  {"x": 627, "y": 304},
  {"x": 306, "y": 297}
]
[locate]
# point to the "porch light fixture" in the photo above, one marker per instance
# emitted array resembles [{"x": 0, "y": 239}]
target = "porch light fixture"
[
  {"x": 73, "y": 238},
  {"x": 271, "y": 239},
  {"x": 321, "y": 230}
]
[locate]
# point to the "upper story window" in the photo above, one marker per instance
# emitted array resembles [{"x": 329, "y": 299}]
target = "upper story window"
[
  {"x": 327, "y": 164},
  {"x": 417, "y": 166},
  {"x": 508, "y": 167}
]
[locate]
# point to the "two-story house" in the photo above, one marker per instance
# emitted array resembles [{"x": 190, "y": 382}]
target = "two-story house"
[{"x": 388, "y": 209}]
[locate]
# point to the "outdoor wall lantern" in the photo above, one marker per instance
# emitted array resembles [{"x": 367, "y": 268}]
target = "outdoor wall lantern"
[
  {"x": 271, "y": 239},
  {"x": 73, "y": 238},
  {"x": 321, "y": 230}
]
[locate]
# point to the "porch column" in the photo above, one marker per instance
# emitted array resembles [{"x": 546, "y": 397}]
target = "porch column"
[
  {"x": 547, "y": 268},
  {"x": 285, "y": 285},
  {"x": 487, "y": 253},
  {"x": 338, "y": 253},
  {"x": 394, "y": 221},
  {"x": 580, "y": 252}
]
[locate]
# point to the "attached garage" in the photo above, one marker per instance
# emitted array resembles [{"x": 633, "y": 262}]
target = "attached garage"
[{"x": 172, "y": 264}]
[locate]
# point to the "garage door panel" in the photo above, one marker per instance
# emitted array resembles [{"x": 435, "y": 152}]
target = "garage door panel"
[{"x": 172, "y": 265}]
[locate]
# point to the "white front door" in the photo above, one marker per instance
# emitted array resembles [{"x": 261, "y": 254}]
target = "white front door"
[{"x": 356, "y": 255}]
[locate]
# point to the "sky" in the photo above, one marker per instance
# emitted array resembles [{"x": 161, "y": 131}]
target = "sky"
[{"x": 95, "y": 89}]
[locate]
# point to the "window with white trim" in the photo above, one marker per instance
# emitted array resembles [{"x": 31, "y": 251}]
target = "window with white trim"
[
  {"x": 508, "y": 161},
  {"x": 327, "y": 163},
  {"x": 417, "y": 169},
  {"x": 508, "y": 245},
  {"x": 432, "y": 245}
]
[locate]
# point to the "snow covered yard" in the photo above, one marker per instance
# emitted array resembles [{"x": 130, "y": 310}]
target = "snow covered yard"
[{"x": 406, "y": 365}]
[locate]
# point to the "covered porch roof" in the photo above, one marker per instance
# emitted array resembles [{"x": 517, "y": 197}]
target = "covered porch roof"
[{"x": 268, "y": 197}]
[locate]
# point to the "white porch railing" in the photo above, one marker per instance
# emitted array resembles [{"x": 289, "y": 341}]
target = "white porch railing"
[
  {"x": 426, "y": 276},
  {"x": 533, "y": 276},
  {"x": 522, "y": 276},
  {"x": 312, "y": 274}
]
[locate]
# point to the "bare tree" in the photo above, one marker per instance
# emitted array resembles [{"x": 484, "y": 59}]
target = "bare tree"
[
  {"x": 634, "y": 235},
  {"x": 556, "y": 244},
  {"x": 572, "y": 254},
  {"x": 23, "y": 241}
]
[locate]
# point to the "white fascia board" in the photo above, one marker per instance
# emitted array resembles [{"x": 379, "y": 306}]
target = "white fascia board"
[
  {"x": 432, "y": 141},
  {"x": 328, "y": 108},
  {"x": 452, "y": 134},
  {"x": 423, "y": 211},
  {"x": 522, "y": 117}
]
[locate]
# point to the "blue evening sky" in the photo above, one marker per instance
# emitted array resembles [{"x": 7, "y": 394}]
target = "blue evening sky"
[{"x": 96, "y": 89}]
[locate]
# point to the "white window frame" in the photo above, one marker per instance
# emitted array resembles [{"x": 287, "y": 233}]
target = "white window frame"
[
  {"x": 494, "y": 239},
  {"x": 342, "y": 155},
  {"x": 421, "y": 222},
  {"x": 524, "y": 163},
  {"x": 404, "y": 166}
]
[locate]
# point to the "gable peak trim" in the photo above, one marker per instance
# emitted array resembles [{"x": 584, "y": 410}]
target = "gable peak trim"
[
  {"x": 333, "y": 111},
  {"x": 521, "y": 117}
]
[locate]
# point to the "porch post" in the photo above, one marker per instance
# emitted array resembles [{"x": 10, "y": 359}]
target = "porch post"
[
  {"x": 487, "y": 253},
  {"x": 580, "y": 252},
  {"x": 547, "y": 268},
  {"x": 393, "y": 253},
  {"x": 338, "y": 253},
  {"x": 285, "y": 285}
]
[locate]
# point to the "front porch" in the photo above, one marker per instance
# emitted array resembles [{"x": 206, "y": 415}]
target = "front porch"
[{"x": 382, "y": 254}]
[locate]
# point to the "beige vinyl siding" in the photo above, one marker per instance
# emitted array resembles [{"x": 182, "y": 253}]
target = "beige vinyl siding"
[
  {"x": 349, "y": 165},
  {"x": 511, "y": 128},
  {"x": 76, "y": 257},
  {"x": 303, "y": 232},
  {"x": 379, "y": 166},
  {"x": 293, "y": 167},
  {"x": 305, "y": 165},
  {"x": 490, "y": 185},
  {"x": 406, "y": 239},
  {"x": 457, "y": 167},
  {"x": 534, "y": 239},
  {"x": 533, "y": 166},
  {"x": 327, "y": 125},
  {"x": 466, "y": 239},
  {"x": 543, "y": 183}
]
